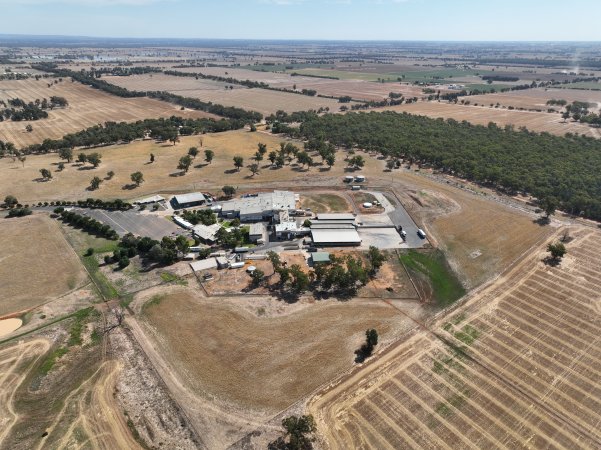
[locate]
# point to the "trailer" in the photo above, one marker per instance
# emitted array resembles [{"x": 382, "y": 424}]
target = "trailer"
[{"x": 237, "y": 265}]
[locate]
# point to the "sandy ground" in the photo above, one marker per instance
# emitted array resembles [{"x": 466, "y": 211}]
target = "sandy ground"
[
  {"x": 87, "y": 107},
  {"x": 7, "y": 326},
  {"x": 47, "y": 266}
]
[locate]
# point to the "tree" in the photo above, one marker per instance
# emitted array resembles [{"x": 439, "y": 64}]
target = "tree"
[
  {"x": 29, "y": 128},
  {"x": 307, "y": 223},
  {"x": 110, "y": 174},
  {"x": 61, "y": 166},
  {"x": 137, "y": 178},
  {"x": 262, "y": 149},
  {"x": 95, "y": 183},
  {"x": 66, "y": 153},
  {"x": 299, "y": 432},
  {"x": 10, "y": 201},
  {"x": 184, "y": 163},
  {"x": 193, "y": 152},
  {"x": 304, "y": 158},
  {"x": 279, "y": 161},
  {"x": 272, "y": 157},
  {"x": 94, "y": 159},
  {"x": 82, "y": 158},
  {"x": 151, "y": 158},
  {"x": 209, "y": 155},
  {"x": 376, "y": 258},
  {"x": 238, "y": 162},
  {"x": 123, "y": 262},
  {"x": 557, "y": 250},
  {"x": 46, "y": 175},
  {"x": 548, "y": 204},
  {"x": 257, "y": 277},
  {"x": 254, "y": 168},
  {"x": 229, "y": 191},
  {"x": 258, "y": 157},
  {"x": 330, "y": 160},
  {"x": 371, "y": 337},
  {"x": 300, "y": 280},
  {"x": 390, "y": 164}
]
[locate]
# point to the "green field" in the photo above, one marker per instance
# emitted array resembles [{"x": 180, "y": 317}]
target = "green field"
[
  {"x": 433, "y": 268},
  {"x": 586, "y": 85}
]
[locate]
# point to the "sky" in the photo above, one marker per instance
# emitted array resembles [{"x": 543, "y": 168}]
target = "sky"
[{"x": 438, "y": 20}]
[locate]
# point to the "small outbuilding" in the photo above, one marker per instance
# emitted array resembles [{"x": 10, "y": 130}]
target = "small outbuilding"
[
  {"x": 320, "y": 257},
  {"x": 204, "y": 264}
]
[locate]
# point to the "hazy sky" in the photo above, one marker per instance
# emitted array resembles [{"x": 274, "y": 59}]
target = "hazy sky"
[{"x": 308, "y": 19}]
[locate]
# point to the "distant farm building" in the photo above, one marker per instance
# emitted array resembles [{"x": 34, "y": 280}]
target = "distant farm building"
[{"x": 188, "y": 200}]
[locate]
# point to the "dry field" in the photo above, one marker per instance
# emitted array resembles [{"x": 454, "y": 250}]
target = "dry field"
[
  {"x": 36, "y": 264},
  {"x": 325, "y": 202},
  {"x": 260, "y": 362},
  {"x": 87, "y": 107},
  {"x": 162, "y": 175},
  {"x": 261, "y": 100},
  {"x": 482, "y": 115},
  {"x": 359, "y": 89},
  {"x": 522, "y": 371},
  {"x": 537, "y": 98}
]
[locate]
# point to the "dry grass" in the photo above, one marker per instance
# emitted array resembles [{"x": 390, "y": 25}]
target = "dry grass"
[
  {"x": 87, "y": 107},
  {"x": 537, "y": 98},
  {"x": 325, "y": 203},
  {"x": 36, "y": 264},
  {"x": 261, "y": 100},
  {"x": 527, "y": 371},
  {"x": 482, "y": 115},
  {"x": 263, "y": 363},
  {"x": 162, "y": 175}
]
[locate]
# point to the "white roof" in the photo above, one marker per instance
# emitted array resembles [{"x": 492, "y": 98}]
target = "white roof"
[
  {"x": 342, "y": 236},
  {"x": 256, "y": 228},
  {"x": 182, "y": 222},
  {"x": 289, "y": 226},
  {"x": 333, "y": 226},
  {"x": 153, "y": 199},
  {"x": 206, "y": 232},
  {"x": 190, "y": 198},
  {"x": 204, "y": 264},
  {"x": 336, "y": 216},
  {"x": 265, "y": 201}
]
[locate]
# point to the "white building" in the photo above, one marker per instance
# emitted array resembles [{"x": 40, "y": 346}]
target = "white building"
[{"x": 258, "y": 207}]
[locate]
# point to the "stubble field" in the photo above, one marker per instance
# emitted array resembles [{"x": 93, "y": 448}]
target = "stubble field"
[
  {"x": 516, "y": 367},
  {"x": 36, "y": 264},
  {"x": 482, "y": 115},
  {"x": 87, "y": 107},
  {"x": 537, "y": 98},
  {"x": 254, "y": 99}
]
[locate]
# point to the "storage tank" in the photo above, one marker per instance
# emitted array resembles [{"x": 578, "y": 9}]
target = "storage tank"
[
  {"x": 237, "y": 265},
  {"x": 367, "y": 205}
]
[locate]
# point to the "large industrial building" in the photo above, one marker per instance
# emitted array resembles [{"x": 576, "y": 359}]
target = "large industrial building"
[
  {"x": 335, "y": 230},
  {"x": 259, "y": 207}
]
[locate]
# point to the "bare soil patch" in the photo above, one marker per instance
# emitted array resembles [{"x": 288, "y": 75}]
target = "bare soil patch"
[
  {"x": 325, "y": 203},
  {"x": 37, "y": 263}
]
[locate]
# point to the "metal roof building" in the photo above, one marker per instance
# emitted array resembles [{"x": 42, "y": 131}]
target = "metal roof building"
[
  {"x": 336, "y": 216},
  {"x": 204, "y": 264},
  {"x": 206, "y": 233},
  {"x": 188, "y": 200},
  {"x": 334, "y": 237},
  {"x": 260, "y": 206},
  {"x": 320, "y": 257}
]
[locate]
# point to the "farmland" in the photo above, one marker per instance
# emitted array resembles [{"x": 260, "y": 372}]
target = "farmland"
[
  {"x": 253, "y": 99},
  {"x": 243, "y": 353},
  {"x": 537, "y": 98},
  {"x": 498, "y": 385},
  {"x": 483, "y": 114},
  {"x": 35, "y": 254},
  {"x": 23, "y": 181},
  {"x": 87, "y": 107}
]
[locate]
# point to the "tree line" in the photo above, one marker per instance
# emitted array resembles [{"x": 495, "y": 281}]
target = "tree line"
[
  {"x": 564, "y": 170},
  {"x": 187, "y": 102}
]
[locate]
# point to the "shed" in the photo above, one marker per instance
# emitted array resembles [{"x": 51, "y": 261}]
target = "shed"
[
  {"x": 335, "y": 237},
  {"x": 222, "y": 262},
  {"x": 256, "y": 231},
  {"x": 188, "y": 200},
  {"x": 204, "y": 264},
  {"x": 320, "y": 257}
]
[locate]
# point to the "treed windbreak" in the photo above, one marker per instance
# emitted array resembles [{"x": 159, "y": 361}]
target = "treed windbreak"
[{"x": 566, "y": 170}]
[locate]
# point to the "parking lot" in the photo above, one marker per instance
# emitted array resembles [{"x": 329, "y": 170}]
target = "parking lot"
[{"x": 124, "y": 222}]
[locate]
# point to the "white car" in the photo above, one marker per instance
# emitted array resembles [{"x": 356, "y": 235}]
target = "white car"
[{"x": 421, "y": 233}]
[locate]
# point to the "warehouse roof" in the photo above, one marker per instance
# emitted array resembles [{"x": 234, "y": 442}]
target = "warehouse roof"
[
  {"x": 256, "y": 228},
  {"x": 189, "y": 198},
  {"x": 266, "y": 201},
  {"x": 153, "y": 199},
  {"x": 206, "y": 232},
  {"x": 335, "y": 236},
  {"x": 336, "y": 216},
  {"x": 333, "y": 226},
  {"x": 204, "y": 264}
]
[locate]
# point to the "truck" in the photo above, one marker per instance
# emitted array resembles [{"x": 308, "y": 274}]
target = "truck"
[{"x": 359, "y": 178}]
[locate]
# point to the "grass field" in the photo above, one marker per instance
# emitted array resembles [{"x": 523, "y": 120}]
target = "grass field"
[
  {"x": 36, "y": 264},
  {"x": 87, "y": 107},
  {"x": 519, "y": 369},
  {"x": 261, "y": 100},
  {"x": 433, "y": 276},
  {"x": 260, "y": 362},
  {"x": 482, "y": 115},
  {"x": 162, "y": 175}
]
